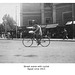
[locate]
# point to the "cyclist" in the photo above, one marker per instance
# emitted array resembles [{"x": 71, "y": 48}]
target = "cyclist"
[{"x": 38, "y": 33}]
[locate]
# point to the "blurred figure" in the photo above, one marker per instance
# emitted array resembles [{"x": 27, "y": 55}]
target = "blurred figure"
[
  {"x": 65, "y": 34},
  {"x": 20, "y": 34},
  {"x": 12, "y": 34},
  {"x": 48, "y": 34},
  {"x": 8, "y": 35}
]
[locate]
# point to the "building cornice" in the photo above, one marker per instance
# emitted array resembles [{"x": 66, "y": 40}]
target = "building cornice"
[
  {"x": 29, "y": 12},
  {"x": 63, "y": 6}
]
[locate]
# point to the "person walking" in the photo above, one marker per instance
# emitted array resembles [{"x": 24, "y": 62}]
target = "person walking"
[{"x": 65, "y": 34}]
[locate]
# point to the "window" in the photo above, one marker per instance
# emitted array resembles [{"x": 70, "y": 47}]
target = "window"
[
  {"x": 30, "y": 23},
  {"x": 48, "y": 20},
  {"x": 47, "y": 5}
]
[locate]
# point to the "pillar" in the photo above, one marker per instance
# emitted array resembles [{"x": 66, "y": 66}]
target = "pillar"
[
  {"x": 54, "y": 13},
  {"x": 21, "y": 15},
  {"x": 42, "y": 13}
]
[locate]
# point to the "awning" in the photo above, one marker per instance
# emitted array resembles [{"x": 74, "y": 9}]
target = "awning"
[
  {"x": 70, "y": 22},
  {"x": 45, "y": 26},
  {"x": 30, "y": 28},
  {"x": 50, "y": 25}
]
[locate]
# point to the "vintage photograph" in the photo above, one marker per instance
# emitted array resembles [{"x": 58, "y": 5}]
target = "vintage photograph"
[{"x": 37, "y": 32}]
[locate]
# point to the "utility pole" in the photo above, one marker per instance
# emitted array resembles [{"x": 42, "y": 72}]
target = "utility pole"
[{"x": 16, "y": 21}]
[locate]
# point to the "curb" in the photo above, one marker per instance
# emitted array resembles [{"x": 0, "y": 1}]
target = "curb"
[{"x": 69, "y": 40}]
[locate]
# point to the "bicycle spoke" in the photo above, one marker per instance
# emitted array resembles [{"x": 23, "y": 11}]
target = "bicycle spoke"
[
  {"x": 27, "y": 42},
  {"x": 45, "y": 42}
]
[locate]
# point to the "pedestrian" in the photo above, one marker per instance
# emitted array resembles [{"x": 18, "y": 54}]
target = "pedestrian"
[
  {"x": 48, "y": 34},
  {"x": 65, "y": 34},
  {"x": 8, "y": 35},
  {"x": 20, "y": 34},
  {"x": 12, "y": 35}
]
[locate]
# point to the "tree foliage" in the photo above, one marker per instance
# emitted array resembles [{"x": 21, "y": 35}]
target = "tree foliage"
[
  {"x": 1, "y": 28},
  {"x": 9, "y": 22}
]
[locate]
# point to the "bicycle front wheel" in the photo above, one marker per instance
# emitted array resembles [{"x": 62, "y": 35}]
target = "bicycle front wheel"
[
  {"x": 45, "y": 42},
  {"x": 27, "y": 42}
]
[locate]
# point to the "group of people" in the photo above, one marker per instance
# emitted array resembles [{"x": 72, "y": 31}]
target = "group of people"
[
  {"x": 38, "y": 33},
  {"x": 7, "y": 35}
]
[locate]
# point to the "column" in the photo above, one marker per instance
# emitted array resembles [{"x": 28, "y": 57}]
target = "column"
[
  {"x": 42, "y": 13},
  {"x": 21, "y": 15},
  {"x": 73, "y": 18},
  {"x": 54, "y": 13}
]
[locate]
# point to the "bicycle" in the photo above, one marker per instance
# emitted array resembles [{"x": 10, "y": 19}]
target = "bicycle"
[{"x": 44, "y": 41}]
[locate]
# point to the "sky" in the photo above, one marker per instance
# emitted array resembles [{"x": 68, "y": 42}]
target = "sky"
[{"x": 13, "y": 9}]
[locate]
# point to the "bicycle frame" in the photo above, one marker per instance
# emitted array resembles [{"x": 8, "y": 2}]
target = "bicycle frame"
[{"x": 44, "y": 42}]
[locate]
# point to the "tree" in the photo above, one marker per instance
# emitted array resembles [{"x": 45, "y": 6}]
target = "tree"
[
  {"x": 1, "y": 28},
  {"x": 9, "y": 23}
]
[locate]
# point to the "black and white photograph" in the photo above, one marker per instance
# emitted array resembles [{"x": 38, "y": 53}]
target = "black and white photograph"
[
  {"x": 39, "y": 36},
  {"x": 37, "y": 32}
]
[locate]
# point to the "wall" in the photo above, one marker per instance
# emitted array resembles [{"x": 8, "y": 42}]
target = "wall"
[
  {"x": 30, "y": 11},
  {"x": 60, "y": 9}
]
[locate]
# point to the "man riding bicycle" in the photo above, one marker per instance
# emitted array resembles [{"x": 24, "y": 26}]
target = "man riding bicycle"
[{"x": 36, "y": 33}]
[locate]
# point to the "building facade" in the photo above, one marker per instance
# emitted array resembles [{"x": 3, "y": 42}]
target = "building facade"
[
  {"x": 63, "y": 13},
  {"x": 48, "y": 13},
  {"x": 40, "y": 12}
]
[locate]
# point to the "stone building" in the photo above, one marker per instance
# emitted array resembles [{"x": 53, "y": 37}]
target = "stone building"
[
  {"x": 40, "y": 12},
  {"x": 63, "y": 13},
  {"x": 47, "y": 13}
]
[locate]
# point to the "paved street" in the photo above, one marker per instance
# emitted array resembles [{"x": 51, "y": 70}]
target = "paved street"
[{"x": 13, "y": 51}]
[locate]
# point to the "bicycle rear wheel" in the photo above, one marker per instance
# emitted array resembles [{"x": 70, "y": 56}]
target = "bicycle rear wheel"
[
  {"x": 45, "y": 41},
  {"x": 27, "y": 42}
]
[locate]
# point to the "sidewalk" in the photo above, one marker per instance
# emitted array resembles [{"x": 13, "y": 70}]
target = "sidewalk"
[
  {"x": 20, "y": 39},
  {"x": 65, "y": 40}
]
